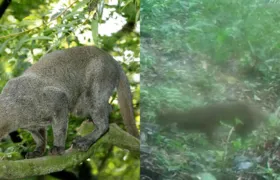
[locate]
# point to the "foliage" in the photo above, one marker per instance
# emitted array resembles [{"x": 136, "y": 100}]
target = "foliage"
[
  {"x": 244, "y": 31},
  {"x": 30, "y": 30},
  {"x": 199, "y": 52}
]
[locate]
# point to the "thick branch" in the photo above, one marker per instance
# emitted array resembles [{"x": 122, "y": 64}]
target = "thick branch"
[{"x": 48, "y": 164}]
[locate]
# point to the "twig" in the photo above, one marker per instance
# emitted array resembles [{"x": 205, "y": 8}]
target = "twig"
[{"x": 227, "y": 142}]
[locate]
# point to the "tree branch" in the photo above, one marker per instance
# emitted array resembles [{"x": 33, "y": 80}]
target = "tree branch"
[{"x": 48, "y": 164}]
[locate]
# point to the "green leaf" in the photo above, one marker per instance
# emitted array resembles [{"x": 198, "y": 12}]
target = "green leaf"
[
  {"x": 76, "y": 8},
  {"x": 94, "y": 31}
]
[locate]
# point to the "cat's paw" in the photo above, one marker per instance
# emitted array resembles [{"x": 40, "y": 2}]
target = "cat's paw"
[
  {"x": 34, "y": 154},
  {"x": 57, "y": 150},
  {"x": 81, "y": 144}
]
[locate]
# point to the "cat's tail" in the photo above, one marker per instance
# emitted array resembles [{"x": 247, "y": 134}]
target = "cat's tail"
[{"x": 125, "y": 102}]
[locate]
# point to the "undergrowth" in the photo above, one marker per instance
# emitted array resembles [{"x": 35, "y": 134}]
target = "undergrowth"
[{"x": 201, "y": 52}]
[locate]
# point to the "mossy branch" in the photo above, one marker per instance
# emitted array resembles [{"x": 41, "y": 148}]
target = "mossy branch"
[{"x": 48, "y": 164}]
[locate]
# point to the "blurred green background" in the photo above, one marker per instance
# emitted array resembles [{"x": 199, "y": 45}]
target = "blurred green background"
[{"x": 201, "y": 52}]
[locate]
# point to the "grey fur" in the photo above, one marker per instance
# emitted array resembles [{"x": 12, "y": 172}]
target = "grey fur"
[{"x": 78, "y": 79}]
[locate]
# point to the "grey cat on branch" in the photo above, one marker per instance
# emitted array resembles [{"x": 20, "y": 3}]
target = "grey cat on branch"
[{"x": 76, "y": 79}]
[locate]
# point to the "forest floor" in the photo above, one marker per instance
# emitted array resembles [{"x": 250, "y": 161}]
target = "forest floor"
[{"x": 168, "y": 155}]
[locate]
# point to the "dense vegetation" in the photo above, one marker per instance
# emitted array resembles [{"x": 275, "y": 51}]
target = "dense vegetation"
[
  {"x": 30, "y": 30},
  {"x": 199, "y": 52}
]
